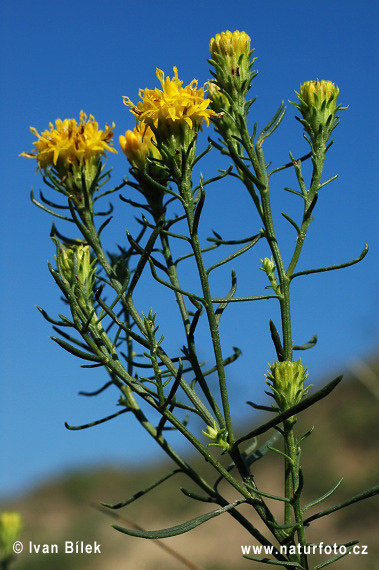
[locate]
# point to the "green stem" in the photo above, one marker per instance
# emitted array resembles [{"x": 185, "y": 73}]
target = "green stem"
[
  {"x": 318, "y": 155},
  {"x": 185, "y": 189},
  {"x": 257, "y": 158},
  {"x": 292, "y": 481},
  {"x": 173, "y": 276}
]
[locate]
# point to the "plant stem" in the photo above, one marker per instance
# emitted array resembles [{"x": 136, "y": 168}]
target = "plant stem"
[
  {"x": 292, "y": 482},
  {"x": 185, "y": 189},
  {"x": 173, "y": 276}
]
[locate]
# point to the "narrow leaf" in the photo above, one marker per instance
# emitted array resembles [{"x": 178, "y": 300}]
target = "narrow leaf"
[
  {"x": 181, "y": 528},
  {"x": 77, "y": 352},
  {"x": 277, "y": 342},
  {"x": 360, "y": 497},
  {"x": 97, "y": 422},
  {"x": 269, "y": 561},
  {"x": 310, "y": 344},
  {"x": 141, "y": 493},
  {"x": 334, "y": 559},
  {"x": 291, "y": 221},
  {"x": 309, "y": 401},
  {"x": 323, "y": 497}
]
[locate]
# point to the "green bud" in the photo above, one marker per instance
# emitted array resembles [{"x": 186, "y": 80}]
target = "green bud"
[
  {"x": 268, "y": 266},
  {"x": 218, "y": 436},
  {"x": 286, "y": 380},
  {"x": 75, "y": 267},
  {"x": 220, "y": 104},
  {"x": 318, "y": 107},
  {"x": 231, "y": 57}
]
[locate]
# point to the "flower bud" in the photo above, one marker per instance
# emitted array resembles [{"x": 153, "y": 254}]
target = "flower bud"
[
  {"x": 318, "y": 106},
  {"x": 230, "y": 55},
  {"x": 146, "y": 160},
  {"x": 220, "y": 104},
  {"x": 286, "y": 380},
  {"x": 75, "y": 267},
  {"x": 268, "y": 266},
  {"x": 218, "y": 436},
  {"x": 137, "y": 145},
  {"x": 10, "y": 530}
]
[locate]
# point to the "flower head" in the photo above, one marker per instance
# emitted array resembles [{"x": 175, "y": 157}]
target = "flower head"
[
  {"x": 137, "y": 145},
  {"x": 71, "y": 143},
  {"x": 230, "y": 44},
  {"x": 175, "y": 114},
  {"x": 77, "y": 269},
  {"x": 173, "y": 103},
  {"x": 146, "y": 160},
  {"x": 231, "y": 58},
  {"x": 286, "y": 380},
  {"x": 318, "y": 106}
]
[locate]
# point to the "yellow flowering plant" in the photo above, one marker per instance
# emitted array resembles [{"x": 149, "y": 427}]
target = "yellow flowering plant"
[{"x": 108, "y": 329}]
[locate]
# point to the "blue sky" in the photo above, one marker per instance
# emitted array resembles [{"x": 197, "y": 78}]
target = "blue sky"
[{"x": 61, "y": 57}]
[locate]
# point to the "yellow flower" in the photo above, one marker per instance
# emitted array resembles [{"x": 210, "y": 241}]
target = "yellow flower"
[
  {"x": 172, "y": 103},
  {"x": 137, "y": 144},
  {"x": 71, "y": 143}
]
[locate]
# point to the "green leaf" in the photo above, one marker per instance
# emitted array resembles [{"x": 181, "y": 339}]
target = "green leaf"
[
  {"x": 277, "y": 342},
  {"x": 360, "y": 497},
  {"x": 180, "y": 528},
  {"x": 305, "y": 403},
  {"x": 310, "y": 344},
  {"x": 230, "y": 295},
  {"x": 323, "y": 497},
  {"x": 76, "y": 352},
  {"x": 291, "y": 221},
  {"x": 269, "y": 561},
  {"x": 141, "y": 493},
  {"x": 196, "y": 496},
  {"x": 333, "y": 267},
  {"x": 334, "y": 559}
]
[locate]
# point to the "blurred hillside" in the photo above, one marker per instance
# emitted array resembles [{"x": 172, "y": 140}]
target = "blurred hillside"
[{"x": 345, "y": 443}]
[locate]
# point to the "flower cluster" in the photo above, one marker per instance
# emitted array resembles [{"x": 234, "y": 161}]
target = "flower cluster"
[
  {"x": 230, "y": 44},
  {"x": 141, "y": 151}
]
